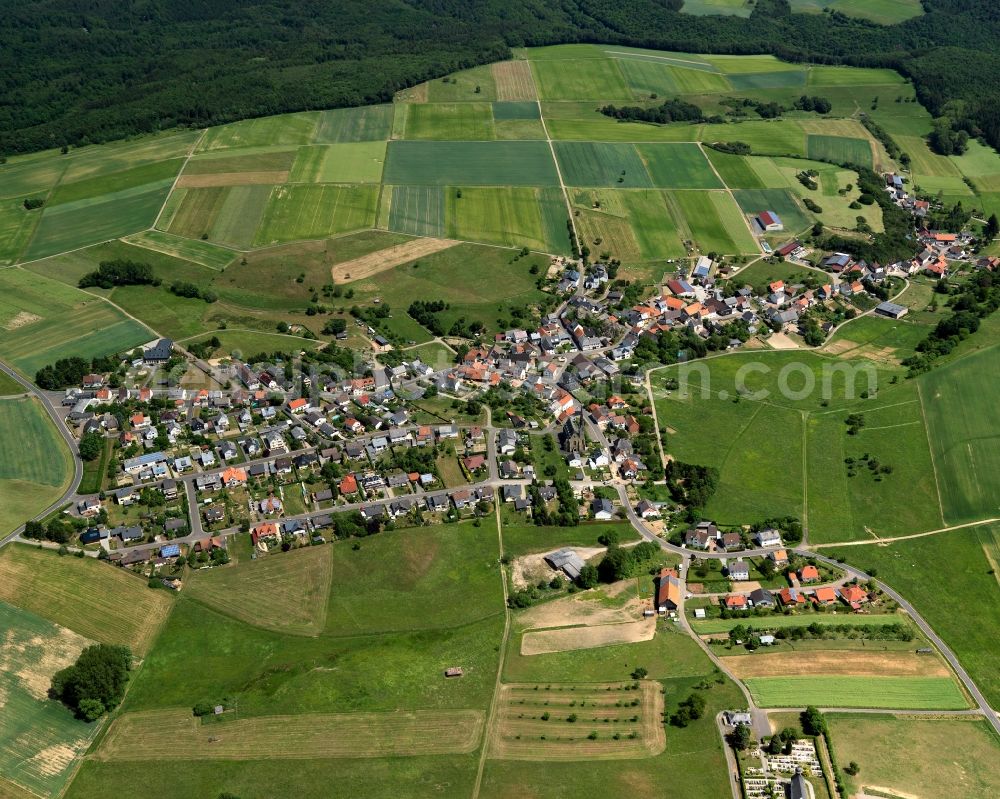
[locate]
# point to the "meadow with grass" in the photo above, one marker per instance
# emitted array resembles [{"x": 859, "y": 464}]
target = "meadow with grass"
[
  {"x": 778, "y": 434},
  {"x": 945, "y": 757},
  {"x": 35, "y": 463}
]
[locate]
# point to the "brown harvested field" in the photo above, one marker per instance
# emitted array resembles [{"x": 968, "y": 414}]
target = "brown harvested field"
[
  {"x": 11, "y": 790},
  {"x": 579, "y": 609},
  {"x": 177, "y": 735},
  {"x": 840, "y": 347},
  {"x": 883, "y": 355},
  {"x": 93, "y": 599},
  {"x": 851, "y": 663},
  {"x": 230, "y": 179},
  {"x": 22, "y": 319},
  {"x": 529, "y": 569},
  {"x": 570, "y": 638},
  {"x": 382, "y": 260},
  {"x": 414, "y": 94},
  {"x": 521, "y": 732},
  {"x": 32, "y": 659},
  {"x": 513, "y": 79},
  {"x": 284, "y": 591}
]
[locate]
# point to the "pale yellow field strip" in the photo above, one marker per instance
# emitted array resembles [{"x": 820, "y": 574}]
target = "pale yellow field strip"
[{"x": 177, "y": 735}]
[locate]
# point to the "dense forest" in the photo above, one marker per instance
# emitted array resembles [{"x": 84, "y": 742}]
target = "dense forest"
[{"x": 78, "y": 71}]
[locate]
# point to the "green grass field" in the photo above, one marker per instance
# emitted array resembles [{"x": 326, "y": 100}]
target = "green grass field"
[
  {"x": 415, "y": 579},
  {"x": 480, "y": 295},
  {"x": 884, "y": 12},
  {"x": 200, "y": 252},
  {"x": 766, "y": 137},
  {"x": 599, "y": 164},
  {"x": 115, "y": 182},
  {"x": 523, "y": 539},
  {"x": 811, "y": 448},
  {"x": 445, "y": 776},
  {"x": 32, "y": 725},
  {"x": 839, "y": 149},
  {"x": 359, "y": 162},
  {"x": 506, "y": 163},
  {"x": 417, "y": 210},
  {"x": 289, "y": 129},
  {"x": 300, "y": 212},
  {"x": 944, "y": 757},
  {"x": 648, "y": 75},
  {"x": 102, "y": 159},
  {"x": 853, "y": 76},
  {"x": 227, "y": 215},
  {"x": 241, "y": 161},
  {"x": 462, "y": 86},
  {"x": 897, "y": 693},
  {"x": 35, "y": 465},
  {"x": 637, "y": 225},
  {"x": 449, "y": 121},
  {"x": 678, "y": 166},
  {"x": 508, "y": 216},
  {"x": 42, "y": 320},
  {"x": 298, "y": 581},
  {"x": 367, "y": 123},
  {"x": 271, "y": 673},
  {"x": 252, "y": 342},
  {"x": 964, "y": 436},
  {"x": 89, "y": 221},
  {"x": 20, "y": 177},
  {"x": 16, "y": 228},
  {"x": 714, "y": 220},
  {"x": 584, "y": 79},
  {"x": 943, "y": 575},
  {"x": 736, "y": 170}
]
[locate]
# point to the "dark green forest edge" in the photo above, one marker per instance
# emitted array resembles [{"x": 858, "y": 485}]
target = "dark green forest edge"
[{"x": 76, "y": 71}]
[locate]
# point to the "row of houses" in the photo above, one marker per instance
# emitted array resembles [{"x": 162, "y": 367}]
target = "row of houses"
[{"x": 852, "y": 595}]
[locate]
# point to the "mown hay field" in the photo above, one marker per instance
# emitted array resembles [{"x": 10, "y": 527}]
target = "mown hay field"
[
  {"x": 93, "y": 599},
  {"x": 848, "y": 663},
  {"x": 166, "y": 735},
  {"x": 283, "y": 591}
]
